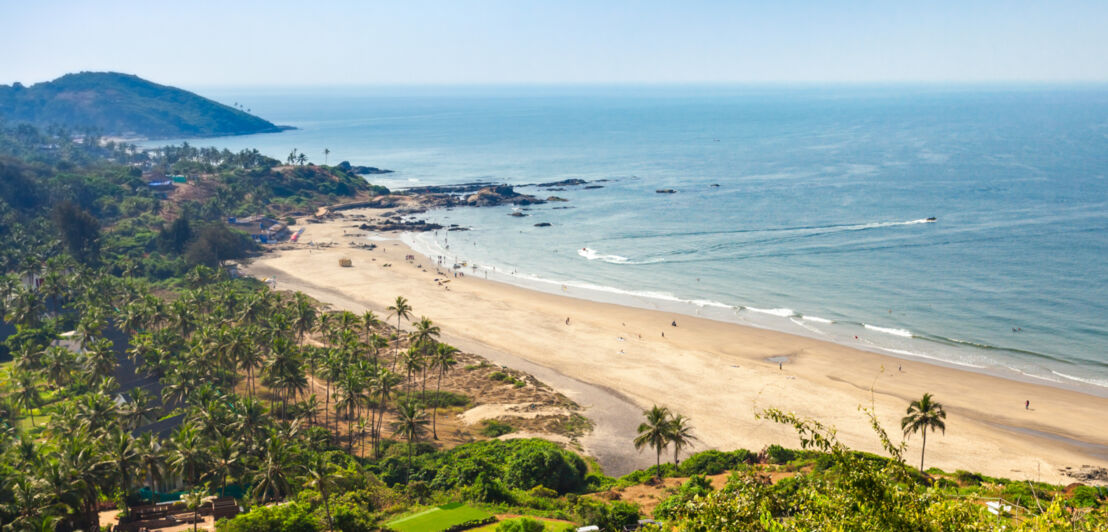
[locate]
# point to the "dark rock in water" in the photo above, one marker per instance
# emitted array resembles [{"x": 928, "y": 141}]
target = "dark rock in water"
[
  {"x": 555, "y": 189},
  {"x": 555, "y": 198},
  {"x": 563, "y": 183},
  {"x": 455, "y": 228},
  {"x": 517, "y": 214},
  {"x": 564, "y": 207},
  {"x": 361, "y": 170},
  {"x": 666, "y": 191},
  {"x": 463, "y": 188},
  {"x": 399, "y": 226},
  {"x": 714, "y": 185},
  {"x": 543, "y": 224},
  {"x": 594, "y": 186}
]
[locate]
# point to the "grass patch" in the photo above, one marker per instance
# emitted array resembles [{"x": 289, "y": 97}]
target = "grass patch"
[{"x": 438, "y": 518}]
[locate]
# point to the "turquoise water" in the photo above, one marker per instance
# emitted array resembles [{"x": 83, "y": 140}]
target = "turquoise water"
[{"x": 818, "y": 225}]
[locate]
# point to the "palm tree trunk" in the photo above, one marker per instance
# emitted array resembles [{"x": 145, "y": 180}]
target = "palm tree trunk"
[
  {"x": 327, "y": 507},
  {"x": 435, "y": 408},
  {"x": 923, "y": 450},
  {"x": 408, "y": 473}
]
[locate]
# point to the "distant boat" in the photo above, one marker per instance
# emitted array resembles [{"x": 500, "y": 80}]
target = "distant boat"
[{"x": 932, "y": 219}]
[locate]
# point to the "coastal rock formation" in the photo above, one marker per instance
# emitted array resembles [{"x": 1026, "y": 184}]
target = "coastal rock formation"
[
  {"x": 1087, "y": 473},
  {"x": 563, "y": 183},
  {"x": 593, "y": 186},
  {"x": 394, "y": 225},
  {"x": 361, "y": 170},
  {"x": 543, "y": 224},
  {"x": 555, "y": 198}
]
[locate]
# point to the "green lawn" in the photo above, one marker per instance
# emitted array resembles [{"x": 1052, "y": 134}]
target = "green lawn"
[{"x": 436, "y": 519}]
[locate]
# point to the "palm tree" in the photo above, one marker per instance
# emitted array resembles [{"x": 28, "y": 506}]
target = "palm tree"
[
  {"x": 186, "y": 453},
  {"x": 410, "y": 424},
  {"x": 271, "y": 479},
  {"x": 225, "y": 457},
  {"x": 26, "y": 395},
  {"x": 924, "y": 415},
  {"x": 123, "y": 456},
  {"x": 654, "y": 432},
  {"x": 194, "y": 499},
  {"x": 303, "y": 315},
  {"x": 442, "y": 360},
  {"x": 151, "y": 458},
  {"x": 680, "y": 435},
  {"x": 401, "y": 309},
  {"x": 320, "y": 472},
  {"x": 326, "y": 154}
]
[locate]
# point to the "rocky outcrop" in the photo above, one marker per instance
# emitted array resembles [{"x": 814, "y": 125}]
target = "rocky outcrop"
[
  {"x": 1087, "y": 473},
  {"x": 563, "y": 183},
  {"x": 543, "y": 224},
  {"x": 394, "y": 225}
]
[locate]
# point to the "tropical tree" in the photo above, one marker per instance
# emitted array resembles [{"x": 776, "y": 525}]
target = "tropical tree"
[
  {"x": 654, "y": 433},
  {"x": 123, "y": 457},
  {"x": 320, "y": 473},
  {"x": 680, "y": 435},
  {"x": 225, "y": 459},
  {"x": 410, "y": 424},
  {"x": 272, "y": 471},
  {"x": 151, "y": 458},
  {"x": 923, "y": 415},
  {"x": 26, "y": 395},
  {"x": 194, "y": 499},
  {"x": 400, "y": 309},
  {"x": 442, "y": 360}
]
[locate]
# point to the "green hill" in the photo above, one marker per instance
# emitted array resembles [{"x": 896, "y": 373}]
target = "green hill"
[{"x": 126, "y": 105}]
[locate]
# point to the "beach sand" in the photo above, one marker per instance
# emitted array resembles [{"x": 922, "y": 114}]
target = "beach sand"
[{"x": 718, "y": 374}]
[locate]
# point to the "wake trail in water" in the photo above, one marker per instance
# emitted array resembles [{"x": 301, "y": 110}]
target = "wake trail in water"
[
  {"x": 831, "y": 228},
  {"x": 592, "y": 254}
]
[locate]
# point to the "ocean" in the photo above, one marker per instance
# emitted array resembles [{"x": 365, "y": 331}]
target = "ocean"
[{"x": 797, "y": 208}]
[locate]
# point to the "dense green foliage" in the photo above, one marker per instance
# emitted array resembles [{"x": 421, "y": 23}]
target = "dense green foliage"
[{"x": 122, "y": 104}]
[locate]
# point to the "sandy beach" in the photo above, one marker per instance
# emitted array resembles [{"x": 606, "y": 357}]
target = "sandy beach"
[{"x": 617, "y": 360}]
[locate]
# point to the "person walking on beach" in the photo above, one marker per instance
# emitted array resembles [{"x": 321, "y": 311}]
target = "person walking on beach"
[
  {"x": 567, "y": 320},
  {"x": 1027, "y": 405}
]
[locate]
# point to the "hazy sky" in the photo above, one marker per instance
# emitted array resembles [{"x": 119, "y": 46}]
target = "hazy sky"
[{"x": 231, "y": 42}]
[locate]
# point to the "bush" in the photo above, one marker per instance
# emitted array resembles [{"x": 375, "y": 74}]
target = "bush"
[
  {"x": 714, "y": 462},
  {"x": 780, "y": 455},
  {"x": 493, "y": 428},
  {"x": 292, "y": 517},
  {"x": 546, "y": 466},
  {"x": 431, "y": 399},
  {"x": 523, "y": 524},
  {"x": 1083, "y": 497},
  {"x": 967, "y": 478}
]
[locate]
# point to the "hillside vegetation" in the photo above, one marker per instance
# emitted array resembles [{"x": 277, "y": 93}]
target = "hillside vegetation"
[{"x": 124, "y": 105}]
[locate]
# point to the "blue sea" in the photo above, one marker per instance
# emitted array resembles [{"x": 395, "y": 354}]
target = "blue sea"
[{"x": 818, "y": 225}]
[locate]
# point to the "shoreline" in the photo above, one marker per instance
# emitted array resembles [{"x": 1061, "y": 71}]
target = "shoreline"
[
  {"x": 764, "y": 319},
  {"x": 987, "y": 430}
]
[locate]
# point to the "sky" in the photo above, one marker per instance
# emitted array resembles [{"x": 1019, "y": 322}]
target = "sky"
[{"x": 279, "y": 43}]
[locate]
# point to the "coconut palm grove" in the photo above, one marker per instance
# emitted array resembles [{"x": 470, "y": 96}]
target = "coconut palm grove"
[{"x": 146, "y": 384}]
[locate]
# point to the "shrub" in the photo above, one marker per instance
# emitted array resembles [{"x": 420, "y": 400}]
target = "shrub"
[
  {"x": 292, "y": 517},
  {"x": 493, "y": 428},
  {"x": 546, "y": 466},
  {"x": 779, "y": 455},
  {"x": 1083, "y": 497},
  {"x": 523, "y": 524},
  {"x": 499, "y": 376},
  {"x": 967, "y": 478}
]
